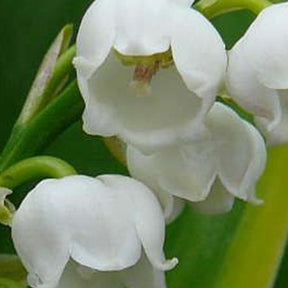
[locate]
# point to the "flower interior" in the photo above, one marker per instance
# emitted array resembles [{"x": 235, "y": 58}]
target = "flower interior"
[{"x": 145, "y": 68}]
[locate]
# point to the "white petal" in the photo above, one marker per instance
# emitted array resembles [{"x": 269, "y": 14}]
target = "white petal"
[
  {"x": 142, "y": 26},
  {"x": 109, "y": 250},
  {"x": 244, "y": 87},
  {"x": 139, "y": 167},
  {"x": 185, "y": 171},
  {"x": 172, "y": 206},
  {"x": 148, "y": 219},
  {"x": 240, "y": 150},
  {"x": 219, "y": 201},
  {"x": 143, "y": 275},
  {"x": 185, "y": 3},
  {"x": 95, "y": 37},
  {"x": 77, "y": 276},
  {"x": 188, "y": 170},
  {"x": 148, "y": 121},
  {"x": 96, "y": 117},
  {"x": 277, "y": 134},
  {"x": 266, "y": 46},
  {"x": 199, "y": 52},
  {"x": 100, "y": 223},
  {"x": 234, "y": 150}
]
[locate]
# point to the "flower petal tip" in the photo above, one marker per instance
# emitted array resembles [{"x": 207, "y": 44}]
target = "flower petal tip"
[
  {"x": 256, "y": 201},
  {"x": 83, "y": 66},
  {"x": 168, "y": 264}
]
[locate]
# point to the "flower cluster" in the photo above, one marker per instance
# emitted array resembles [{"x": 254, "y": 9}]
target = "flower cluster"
[{"x": 149, "y": 73}]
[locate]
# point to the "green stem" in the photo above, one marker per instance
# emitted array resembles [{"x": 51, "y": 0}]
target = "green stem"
[
  {"x": 237, "y": 108},
  {"x": 29, "y": 139},
  {"x": 212, "y": 8},
  {"x": 256, "y": 249},
  {"x": 35, "y": 168}
]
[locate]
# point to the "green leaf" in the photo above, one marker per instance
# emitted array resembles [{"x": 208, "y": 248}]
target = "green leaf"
[
  {"x": 258, "y": 245},
  {"x": 241, "y": 249},
  {"x": 11, "y": 268},
  {"x": 212, "y": 8},
  {"x": 7, "y": 283},
  {"x": 200, "y": 242},
  {"x": 30, "y": 139},
  {"x": 45, "y": 83}
]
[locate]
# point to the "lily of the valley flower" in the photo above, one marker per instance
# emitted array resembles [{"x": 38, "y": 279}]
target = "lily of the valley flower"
[
  {"x": 149, "y": 73},
  {"x": 80, "y": 231},
  {"x": 209, "y": 172},
  {"x": 258, "y": 72}
]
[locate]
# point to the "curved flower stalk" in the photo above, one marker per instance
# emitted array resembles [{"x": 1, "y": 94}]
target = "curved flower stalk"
[
  {"x": 258, "y": 72},
  {"x": 208, "y": 172},
  {"x": 149, "y": 74},
  {"x": 80, "y": 231}
]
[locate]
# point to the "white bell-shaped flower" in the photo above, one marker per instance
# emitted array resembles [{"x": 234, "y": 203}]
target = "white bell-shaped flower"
[
  {"x": 209, "y": 172},
  {"x": 148, "y": 70},
  {"x": 80, "y": 231},
  {"x": 257, "y": 75}
]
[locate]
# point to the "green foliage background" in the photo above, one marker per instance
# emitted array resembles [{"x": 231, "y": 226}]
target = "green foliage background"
[{"x": 27, "y": 27}]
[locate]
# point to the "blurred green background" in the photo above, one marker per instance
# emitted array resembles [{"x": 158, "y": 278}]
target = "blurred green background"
[{"x": 27, "y": 27}]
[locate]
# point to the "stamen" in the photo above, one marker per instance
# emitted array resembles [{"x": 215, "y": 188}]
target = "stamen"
[
  {"x": 144, "y": 73},
  {"x": 145, "y": 68},
  {"x": 142, "y": 77}
]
